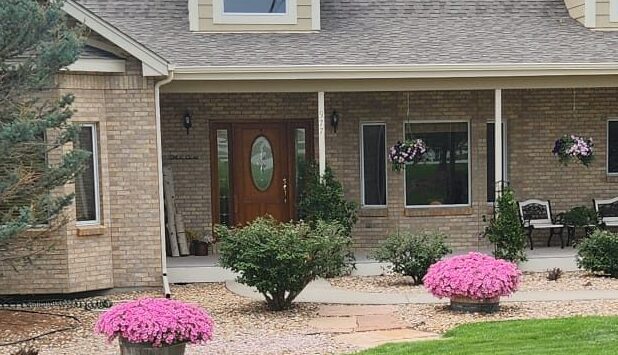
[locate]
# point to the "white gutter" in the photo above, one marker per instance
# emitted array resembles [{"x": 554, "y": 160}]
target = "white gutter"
[
  {"x": 170, "y": 77},
  {"x": 321, "y": 72}
]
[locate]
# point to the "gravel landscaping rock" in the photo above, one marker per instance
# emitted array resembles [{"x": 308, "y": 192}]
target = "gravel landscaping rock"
[
  {"x": 243, "y": 326},
  {"x": 531, "y": 281}
]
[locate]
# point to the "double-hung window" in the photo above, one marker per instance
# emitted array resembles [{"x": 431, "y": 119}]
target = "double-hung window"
[
  {"x": 254, "y": 11},
  {"x": 87, "y": 200},
  {"x": 612, "y": 147},
  {"x": 613, "y": 10},
  {"x": 373, "y": 164},
  {"x": 442, "y": 178}
]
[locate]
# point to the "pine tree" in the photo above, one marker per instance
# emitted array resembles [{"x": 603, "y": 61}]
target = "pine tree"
[
  {"x": 505, "y": 230},
  {"x": 36, "y": 41}
]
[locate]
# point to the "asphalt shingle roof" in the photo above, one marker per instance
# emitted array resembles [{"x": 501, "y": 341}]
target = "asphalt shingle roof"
[{"x": 369, "y": 32}]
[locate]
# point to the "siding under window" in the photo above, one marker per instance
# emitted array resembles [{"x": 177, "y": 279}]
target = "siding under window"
[{"x": 374, "y": 164}]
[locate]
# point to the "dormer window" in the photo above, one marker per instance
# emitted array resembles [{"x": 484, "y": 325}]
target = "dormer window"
[
  {"x": 254, "y": 12},
  {"x": 236, "y": 7}
]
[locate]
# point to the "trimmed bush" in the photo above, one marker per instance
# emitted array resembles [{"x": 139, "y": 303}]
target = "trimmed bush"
[
  {"x": 599, "y": 253},
  {"x": 475, "y": 275},
  {"x": 412, "y": 254},
  {"x": 280, "y": 259}
]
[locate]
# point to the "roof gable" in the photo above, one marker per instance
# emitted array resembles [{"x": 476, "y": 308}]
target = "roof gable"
[{"x": 152, "y": 63}]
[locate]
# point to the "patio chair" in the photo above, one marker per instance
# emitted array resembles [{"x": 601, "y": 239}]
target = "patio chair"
[
  {"x": 536, "y": 214},
  {"x": 607, "y": 211}
]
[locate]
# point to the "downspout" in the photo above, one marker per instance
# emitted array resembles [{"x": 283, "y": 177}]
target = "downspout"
[{"x": 166, "y": 284}]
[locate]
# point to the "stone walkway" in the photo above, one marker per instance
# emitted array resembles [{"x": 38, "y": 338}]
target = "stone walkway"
[
  {"x": 369, "y": 319},
  {"x": 365, "y": 326},
  {"x": 321, "y": 291}
]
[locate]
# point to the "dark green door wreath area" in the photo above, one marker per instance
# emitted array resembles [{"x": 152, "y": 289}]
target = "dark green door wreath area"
[{"x": 579, "y": 335}]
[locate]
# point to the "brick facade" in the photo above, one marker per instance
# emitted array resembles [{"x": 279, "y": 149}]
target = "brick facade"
[
  {"x": 535, "y": 118},
  {"x": 124, "y": 251}
]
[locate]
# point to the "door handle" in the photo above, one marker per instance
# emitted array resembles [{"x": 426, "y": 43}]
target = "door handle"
[{"x": 285, "y": 190}]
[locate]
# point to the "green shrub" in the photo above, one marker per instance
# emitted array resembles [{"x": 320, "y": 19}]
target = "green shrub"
[
  {"x": 505, "y": 230},
  {"x": 412, "y": 254},
  {"x": 580, "y": 216},
  {"x": 323, "y": 199},
  {"x": 280, "y": 259},
  {"x": 599, "y": 253}
]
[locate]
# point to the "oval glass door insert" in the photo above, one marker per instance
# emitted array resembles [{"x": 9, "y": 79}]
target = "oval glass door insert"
[{"x": 262, "y": 163}]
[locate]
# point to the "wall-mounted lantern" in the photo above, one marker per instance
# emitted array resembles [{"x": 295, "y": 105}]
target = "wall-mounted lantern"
[
  {"x": 335, "y": 118},
  {"x": 186, "y": 121}
]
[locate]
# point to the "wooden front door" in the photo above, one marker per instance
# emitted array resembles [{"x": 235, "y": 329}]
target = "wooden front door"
[
  {"x": 261, "y": 172},
  {"x": 255, "y": 168}
]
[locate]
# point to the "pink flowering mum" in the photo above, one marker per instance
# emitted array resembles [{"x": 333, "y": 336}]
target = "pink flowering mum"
[
  {"x": 157, "y": 321},
  {"x": 475, "y": 275}
]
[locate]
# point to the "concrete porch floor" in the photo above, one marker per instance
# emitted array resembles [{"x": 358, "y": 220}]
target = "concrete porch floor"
[{"x": 192, "y": 269}]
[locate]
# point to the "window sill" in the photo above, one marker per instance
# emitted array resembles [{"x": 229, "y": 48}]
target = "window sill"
[
  {"x": 439, "y": 211},
  {"x": 88, "y": 231},
  {"x": 373, "y": 212}
]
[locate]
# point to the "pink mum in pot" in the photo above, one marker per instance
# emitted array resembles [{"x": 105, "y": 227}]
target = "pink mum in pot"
[
  {"x": 157, "y": 321},
  {"x": 475, "y": 275}
]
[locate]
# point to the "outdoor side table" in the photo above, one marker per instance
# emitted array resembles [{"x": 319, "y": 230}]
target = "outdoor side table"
[{"x": 571, "y": 229}]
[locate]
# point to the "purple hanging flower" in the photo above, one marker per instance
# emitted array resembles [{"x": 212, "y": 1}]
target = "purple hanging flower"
[
  {"x": 569, "y": 147},
  {"x": 408, "y": 152}
]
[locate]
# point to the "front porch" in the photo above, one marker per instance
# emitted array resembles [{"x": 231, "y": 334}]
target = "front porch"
[
  {"x": 192, "y": 269},
  {"x": 456, "y": 202}
]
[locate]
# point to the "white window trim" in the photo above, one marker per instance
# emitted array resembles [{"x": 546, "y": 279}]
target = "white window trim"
[
  {"x": 95, "y": 167},
  {"x": 607, "y": 147},
  {"x": 467, "y": 122},
  {"x": 505, "y": 153},
  {"x": 613, "y": 10},
  {"x": 362, "y": 165},
  {"x": 288, "y": 18}
]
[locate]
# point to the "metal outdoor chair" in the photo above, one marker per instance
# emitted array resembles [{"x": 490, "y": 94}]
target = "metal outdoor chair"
[
  {"x": 607, "y": 211},
  {"x": 536, "y": 214}
]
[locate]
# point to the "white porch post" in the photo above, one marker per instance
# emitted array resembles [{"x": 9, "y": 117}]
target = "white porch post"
[
  {"x": 321, "y": 134},
  {"x": 498, "y": 142}
]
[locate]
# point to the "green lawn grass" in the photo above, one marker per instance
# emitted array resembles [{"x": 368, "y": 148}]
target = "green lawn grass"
[{"x": 579, "y": 335}]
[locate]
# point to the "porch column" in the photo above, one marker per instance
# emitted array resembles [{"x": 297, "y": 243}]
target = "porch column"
[
  {"x": 498, "y": 142},
  {"x": 321, "y": 134}
]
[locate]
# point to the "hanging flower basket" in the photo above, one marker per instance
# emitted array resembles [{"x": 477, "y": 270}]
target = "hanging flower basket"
[
  {"x": 411, "y": 151},
  {"x": 568, "y": 148}
]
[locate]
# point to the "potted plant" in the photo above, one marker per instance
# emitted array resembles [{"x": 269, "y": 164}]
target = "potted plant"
[
  {"x": 474, "y": 282},
  {"x": 580, "y": 216},
  {"x": 411, "y": 151},
  {"x": 200, "y": 242},
  {"x": 155, "y": 326},
  {"x": 567, "y": 148}
]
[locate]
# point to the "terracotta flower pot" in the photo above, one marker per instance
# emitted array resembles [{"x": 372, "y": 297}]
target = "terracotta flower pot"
[
  {"x": 200, "y": 248},
  {"x": 470, "y": 305},
  {"x": 127, "y": 348}
]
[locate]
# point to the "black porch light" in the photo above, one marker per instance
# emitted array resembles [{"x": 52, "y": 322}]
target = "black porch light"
[
  {"x": 186, "y": 121},
  {"x": 335, "y": 118}
]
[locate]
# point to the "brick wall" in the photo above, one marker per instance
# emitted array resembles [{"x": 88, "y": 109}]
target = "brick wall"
[
  {"x": 124, "y": 251},
  {"x": 535, "y": 118}
]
